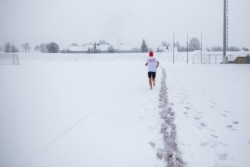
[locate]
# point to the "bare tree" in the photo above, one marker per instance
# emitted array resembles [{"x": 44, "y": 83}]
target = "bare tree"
[
  {"x": 8, "y": 48},
  {"x": 194, "y": 44},
  {"x": 43, "y": 48},
  {"x": 26, "y": 47},
  {"x": 245, "y": 49},
  {"x": 37, "y": 48},
  {"x": 165, "y": 44}
]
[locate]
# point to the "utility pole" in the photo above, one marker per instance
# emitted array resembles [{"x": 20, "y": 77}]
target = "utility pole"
[
  {"x": 173, "y": 47},
  {"x": 201, "y": 47},
  {"x": 187, "y": 47},
  {"x": 225, "y": 28}
]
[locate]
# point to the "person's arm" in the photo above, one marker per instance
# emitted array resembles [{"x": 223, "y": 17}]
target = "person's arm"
[{"x": 157, "y": 64}]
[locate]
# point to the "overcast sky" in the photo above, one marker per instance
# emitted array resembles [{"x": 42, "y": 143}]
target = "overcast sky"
[{"x": 126, "y": 21}]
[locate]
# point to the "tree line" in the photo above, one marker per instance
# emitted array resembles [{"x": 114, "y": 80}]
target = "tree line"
[
  {"x": 52, "y": 47},
  {"x": 195, "y": 44}
]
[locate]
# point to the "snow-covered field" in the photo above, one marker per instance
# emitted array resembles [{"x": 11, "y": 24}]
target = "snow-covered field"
[{"x": 66, "y": 110}]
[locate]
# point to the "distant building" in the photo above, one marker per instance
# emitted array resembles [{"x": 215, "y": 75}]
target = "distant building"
[
  {"x": 101, "y": 48},
  {"x": 76, "y": 49},
  {"x": 162, "y": 49},
  {"x": 124, "y": 48}
]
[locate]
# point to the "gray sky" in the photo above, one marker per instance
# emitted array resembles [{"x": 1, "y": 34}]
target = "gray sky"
[{"x": 126, "y": 21}]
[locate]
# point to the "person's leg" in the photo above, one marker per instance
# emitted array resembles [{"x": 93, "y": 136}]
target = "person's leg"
[
  {"x": 150, "y": 83},
  {"x": 153, "y": 78},
  {"x": 150, "y": 79}
]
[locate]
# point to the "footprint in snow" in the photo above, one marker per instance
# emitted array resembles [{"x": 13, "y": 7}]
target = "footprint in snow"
[
  {"x": 224, "y": 115},
  {"x": 171, "y": 104},
  {"x": 152, "y": 144},
  {"x": 229, "y": 126},
  {"x": 197, "y": 118},
  {"x": 203, "y": 144},
  {"x": 160, "y": 153},
  {"x": 211, "y": 106},
  {"x": 203, "y": 124},
  {"x": 236, "y": 122},
  {"x": 214, "y": 136},
  {"x": 223, "y": 156}
]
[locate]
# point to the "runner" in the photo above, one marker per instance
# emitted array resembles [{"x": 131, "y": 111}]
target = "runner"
[{"x": 152, "y": 64}]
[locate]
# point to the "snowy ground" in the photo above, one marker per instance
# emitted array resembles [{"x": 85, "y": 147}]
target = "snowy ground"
[{"x": 64, "y": 110}]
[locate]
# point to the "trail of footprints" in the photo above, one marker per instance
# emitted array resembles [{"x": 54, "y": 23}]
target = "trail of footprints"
[
  {"x": 213, "y": 138},
  {"x": 191, "y": 111},
  {"x": 169, "y": 152}
]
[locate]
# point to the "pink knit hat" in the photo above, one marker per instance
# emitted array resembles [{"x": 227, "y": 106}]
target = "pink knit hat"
[{"x": 151, "y": 53}]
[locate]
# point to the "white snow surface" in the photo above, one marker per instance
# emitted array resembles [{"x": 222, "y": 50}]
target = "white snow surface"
[{"x": 75, "y": 110}]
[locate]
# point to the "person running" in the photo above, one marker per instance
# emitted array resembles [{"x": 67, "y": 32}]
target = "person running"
[{"x": 152, "y": 64}]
